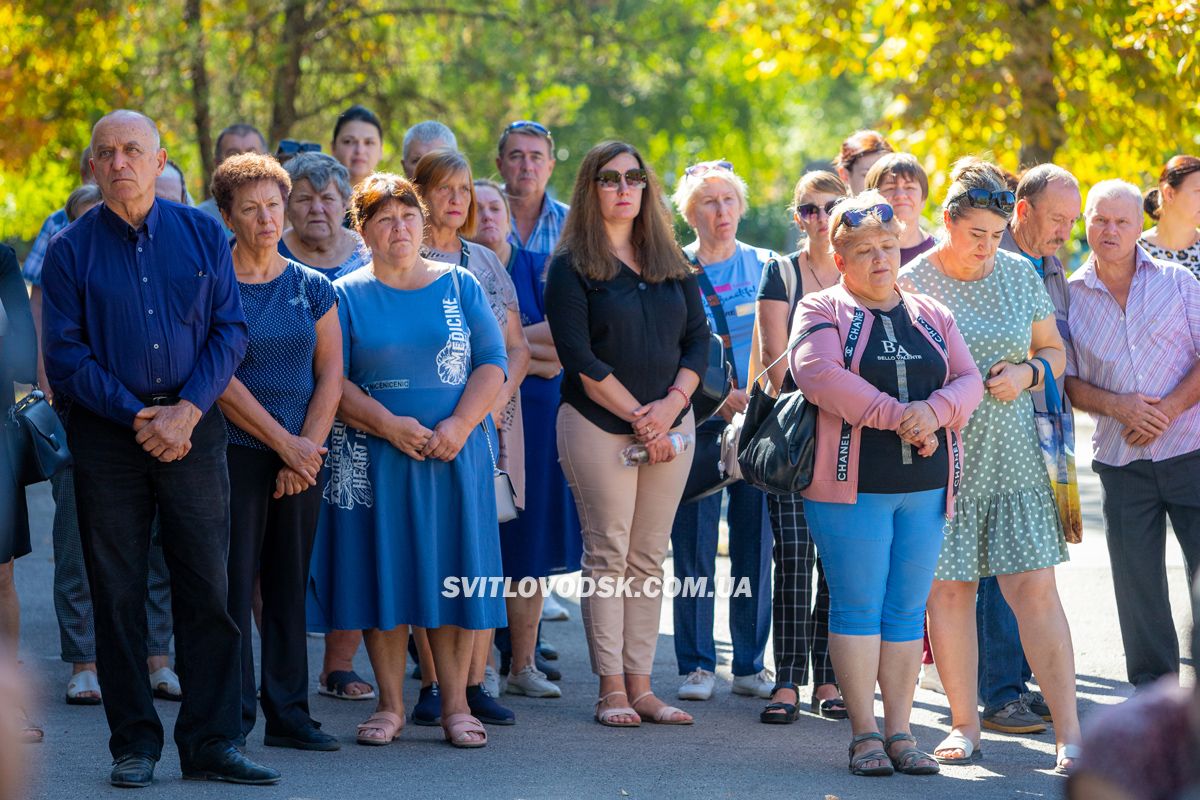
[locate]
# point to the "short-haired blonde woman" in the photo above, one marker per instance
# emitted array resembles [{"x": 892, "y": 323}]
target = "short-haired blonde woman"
[
  {"x": 1006, "y": 519},
  {"x": 410, "y": 502},
  {"x": 628, "y": 322},
  {"x": 278, "y": 408},
  {"x": 800, "y": 605},
  {"x": 895, "y": 384},
  {"x": 712, "y": 199}
]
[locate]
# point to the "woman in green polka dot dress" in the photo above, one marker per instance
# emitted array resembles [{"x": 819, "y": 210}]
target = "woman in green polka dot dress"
[{"x": 1005, "y": 522}]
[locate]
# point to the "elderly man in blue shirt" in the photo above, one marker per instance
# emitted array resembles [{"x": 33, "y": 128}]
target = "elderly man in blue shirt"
[{"x": 143, "y": 328}]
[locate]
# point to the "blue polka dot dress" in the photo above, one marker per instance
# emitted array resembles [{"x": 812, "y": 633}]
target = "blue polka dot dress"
[{"x": 1005, "y": 517}]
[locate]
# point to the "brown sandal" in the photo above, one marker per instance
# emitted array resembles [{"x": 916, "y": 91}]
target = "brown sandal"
[{"x": 388, "y": 723}]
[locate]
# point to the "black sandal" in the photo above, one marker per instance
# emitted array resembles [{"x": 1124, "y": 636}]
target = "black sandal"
[
  {"x": 856, "y": 763},
  {"x": 833, "y": 708},
  {"x": 771, "y": 714},
  {"x": 905, "y": 762}
]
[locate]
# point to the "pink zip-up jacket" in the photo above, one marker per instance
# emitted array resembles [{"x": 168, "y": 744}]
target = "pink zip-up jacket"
[{"x": 849, "y": 403}]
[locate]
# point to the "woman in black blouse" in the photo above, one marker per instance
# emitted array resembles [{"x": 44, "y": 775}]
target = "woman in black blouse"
[{"x": 627, "y": 319}]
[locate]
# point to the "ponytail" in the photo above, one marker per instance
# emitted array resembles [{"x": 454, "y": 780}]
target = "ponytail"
[{"x": 1152, "y": 204}]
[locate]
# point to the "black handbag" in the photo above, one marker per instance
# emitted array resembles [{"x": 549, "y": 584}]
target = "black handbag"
[
  {"x": 715, "y": 383},
  {"x": 37, "y": 440},
  {"x": 778, "y": 444}
]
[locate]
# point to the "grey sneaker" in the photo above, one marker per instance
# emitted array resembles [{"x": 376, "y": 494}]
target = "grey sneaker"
[
  {"x": 1037, "y": 704},
  {"x": 532, "y": 683},
  {"x": 760, "y": 684},
  {"x": 491, "y": 681},
  {"x": 1015, "y": 717}
]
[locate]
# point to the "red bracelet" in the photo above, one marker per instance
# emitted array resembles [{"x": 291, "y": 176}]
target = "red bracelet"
[{"x": 687, "y": 401}]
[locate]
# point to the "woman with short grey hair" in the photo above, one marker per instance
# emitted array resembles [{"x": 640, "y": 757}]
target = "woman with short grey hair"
[{"x": 315, "y": 210}]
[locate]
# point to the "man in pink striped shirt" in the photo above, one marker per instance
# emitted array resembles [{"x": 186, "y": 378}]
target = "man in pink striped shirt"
[{"x": 1132, "y": 363}]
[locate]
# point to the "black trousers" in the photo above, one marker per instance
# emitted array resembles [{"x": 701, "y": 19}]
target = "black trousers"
[
  {"x": 800, "y": 618},
  {"x": 273, "y": 540},
  {"x": 118, "y": 490},
  {"x": 1138, "y": 498}
]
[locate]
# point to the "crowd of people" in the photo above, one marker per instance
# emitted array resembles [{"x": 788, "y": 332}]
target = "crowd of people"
[{"x": 333, "y": 387}]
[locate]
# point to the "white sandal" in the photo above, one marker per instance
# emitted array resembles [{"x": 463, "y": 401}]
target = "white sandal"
[
  {"x": 165, "y": 683},
  {"x": 1071, "y": 752},
  {"x": 956, "y": 741},
  {"x": 82, "y": 683}
]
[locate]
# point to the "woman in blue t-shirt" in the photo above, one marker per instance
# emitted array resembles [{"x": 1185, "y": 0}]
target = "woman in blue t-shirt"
[{"x": 279, "y": 408}]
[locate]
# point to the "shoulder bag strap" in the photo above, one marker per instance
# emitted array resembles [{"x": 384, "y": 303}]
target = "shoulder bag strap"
[
  {"x": 800, "y": 337},
  {"x": 718, "y": 312}
]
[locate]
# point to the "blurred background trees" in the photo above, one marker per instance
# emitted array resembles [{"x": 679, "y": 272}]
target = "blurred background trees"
[{"x": 772, "y": 85}]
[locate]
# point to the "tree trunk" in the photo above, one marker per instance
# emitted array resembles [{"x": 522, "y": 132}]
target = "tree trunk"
[
  {"x": 201, "y": 117},
  {"x": 1042, "y": 131},
  {"x": 292, "y": 45}
]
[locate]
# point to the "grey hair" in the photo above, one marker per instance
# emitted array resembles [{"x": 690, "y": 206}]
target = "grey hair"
[
  {"x": 1113, "y": 189},
  {"x": 1035, "y": 180},
  {"x": 125, "y": 114},
  {"x": 319, "y": 169},
  {"x": 428, "y": 131},
  {"x": 972, "y": 173},
  {"x": 86, "y": 195}
]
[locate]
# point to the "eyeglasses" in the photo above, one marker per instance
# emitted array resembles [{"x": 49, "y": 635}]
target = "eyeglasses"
[
  {"x": 610, "y": 179},
  {"x": 809, "y": 210},
  {"x": 291, "y": 147},
  {"x": 855, "y": 217},
  {"x": 527, "y": 124},
  {"x": 1001, "y": 200},
  {"x": 708, "y": 166}
]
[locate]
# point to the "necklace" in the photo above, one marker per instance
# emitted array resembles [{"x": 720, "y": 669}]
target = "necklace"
[{"x": 813, "y": 272}]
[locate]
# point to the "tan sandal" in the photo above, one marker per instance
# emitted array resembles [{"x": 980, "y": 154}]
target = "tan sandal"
[
  {"x": 457, "y": 726},
  {"x": 664, "y": 714},
  {"x": 385, "y": 721},
  {"x": 605, "y": 716}
]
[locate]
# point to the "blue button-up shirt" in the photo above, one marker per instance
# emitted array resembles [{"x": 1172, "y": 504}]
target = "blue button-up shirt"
[
  {"x": 32, "y": 268},
  {"x": 544, "y": 236},
  {"x": 131, "y": 313}
]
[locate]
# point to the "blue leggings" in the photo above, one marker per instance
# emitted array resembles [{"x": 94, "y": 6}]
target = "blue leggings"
[{"x": 879, "y": 556}]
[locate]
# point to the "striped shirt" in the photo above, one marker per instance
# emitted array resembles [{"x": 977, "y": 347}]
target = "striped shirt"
[
  {"x": 1148, "y": 348},
  {"x": 544, "y": 236}
]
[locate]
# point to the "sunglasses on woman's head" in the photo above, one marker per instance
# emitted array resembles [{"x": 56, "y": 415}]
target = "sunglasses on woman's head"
[
  {"x": 1002, "y": 200},
  {"x": 808, "y": 210},
  {"x": 708, "y": 166},
  {"x": 611, "y": 179},
  {"x": 852, "y": 219}
]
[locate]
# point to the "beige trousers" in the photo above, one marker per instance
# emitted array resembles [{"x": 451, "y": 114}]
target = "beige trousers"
[{"x": 626, "y": 515}]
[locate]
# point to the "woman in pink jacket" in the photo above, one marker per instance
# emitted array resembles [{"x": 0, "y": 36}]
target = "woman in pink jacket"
[{"x": 895, "y": 383}]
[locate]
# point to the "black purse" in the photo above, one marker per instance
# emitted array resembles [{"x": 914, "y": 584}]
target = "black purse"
[
  {"x": 778, "y": 444},
  {"x": 715, "y": 383},
  {"x": 37, "y": 440}
]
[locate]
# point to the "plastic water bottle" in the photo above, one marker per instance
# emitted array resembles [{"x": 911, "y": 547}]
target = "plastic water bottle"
[{"x": 637, "y": 454}]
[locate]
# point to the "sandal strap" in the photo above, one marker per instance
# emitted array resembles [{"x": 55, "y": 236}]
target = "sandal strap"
[
  {"x": 604, "y": 697},
  {"x": 640, "y": 698}
]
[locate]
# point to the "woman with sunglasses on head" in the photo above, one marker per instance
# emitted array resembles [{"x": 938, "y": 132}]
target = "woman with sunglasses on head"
[
  {"x": 800, "y": 615},
  {"x": 627, "y": 317},
  {"x": 859, "y": 153},
  {"x": 894, "y": 383},
  {"x": 1006, "y": 519},
  {"x": 1174, "y": 205},
  {"x": 712, "y": 199},
  {"x": 900, "y": 178}
]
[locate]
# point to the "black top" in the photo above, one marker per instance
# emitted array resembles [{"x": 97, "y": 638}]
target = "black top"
[
  {"x": 642, "y": 333},
  {"x": 18, "y": 341},
  {"x": 899, "y": 360},
  {"x": 772, "y": 287}
]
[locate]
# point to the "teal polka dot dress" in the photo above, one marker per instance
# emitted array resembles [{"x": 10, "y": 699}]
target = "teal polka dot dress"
[{"x": 1005, "y": 518}]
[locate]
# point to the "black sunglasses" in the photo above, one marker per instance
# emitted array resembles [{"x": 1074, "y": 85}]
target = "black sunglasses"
[
  {"x": 290, "y": 147},
  {"x": 1002, "y": 200},
  {"x": 855, "y": 217},
  {"x": 527, "y": 124},
  {"x": 807, "y": 210},
  {"x": 611, "y": 179}
]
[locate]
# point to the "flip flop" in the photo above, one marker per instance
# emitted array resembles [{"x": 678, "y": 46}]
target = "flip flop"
[
  {"x": 165, "y": 683},
  {"x": 457, "y": 726},
  {"x": 336, "y": 682},
  {"x": 664, "y": 714},
  {"x": 387, "y": 722},
  {"x": 956, "y": 741},
  {"x": 81, "y": 682}
]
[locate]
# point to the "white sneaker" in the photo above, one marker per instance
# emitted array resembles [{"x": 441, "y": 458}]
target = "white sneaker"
[
  {"x": 698, "y": 685},
  {"x": 532, "y": 683},
  {"x": 759, "y": 684},
  {"x": 930, "y": 679},
  {"x": 491, "y": 681},
  {"x": 553, "y": 611}
]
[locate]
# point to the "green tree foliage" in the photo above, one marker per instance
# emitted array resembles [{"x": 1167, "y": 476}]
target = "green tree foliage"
[{"x": 1104, "y": 88}]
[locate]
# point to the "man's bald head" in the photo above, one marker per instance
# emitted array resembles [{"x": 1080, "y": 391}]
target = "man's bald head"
[
  {"x": 127, "y": 116},
  {"x": 126, "y": 159}
]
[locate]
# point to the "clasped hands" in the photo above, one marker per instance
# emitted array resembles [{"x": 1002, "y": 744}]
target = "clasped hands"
[
  {"x": 417, "y": 442},
  {"x": 652, "y": 422},
  {"x": 165, "y": 432},
  {"x": 918, "y": 426}
]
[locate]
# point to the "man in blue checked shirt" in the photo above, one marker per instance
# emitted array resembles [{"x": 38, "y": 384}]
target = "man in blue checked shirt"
[{"x": 143, "y": 328}]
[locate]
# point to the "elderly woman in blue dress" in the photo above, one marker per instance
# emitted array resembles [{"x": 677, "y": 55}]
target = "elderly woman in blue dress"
[{"x": 410, "y": 504}]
